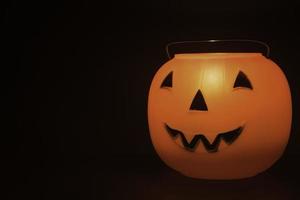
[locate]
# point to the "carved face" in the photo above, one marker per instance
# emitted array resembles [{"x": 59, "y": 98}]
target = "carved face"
[{"x": 219, "y": 115}]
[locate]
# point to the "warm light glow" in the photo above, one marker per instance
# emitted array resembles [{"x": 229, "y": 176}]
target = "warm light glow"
[
  {"x": 219, "y": 115},
  {"x": 213, "y": 79}
]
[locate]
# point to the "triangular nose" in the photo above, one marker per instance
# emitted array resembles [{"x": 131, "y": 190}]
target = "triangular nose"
[{"x": 198, "y": 102}]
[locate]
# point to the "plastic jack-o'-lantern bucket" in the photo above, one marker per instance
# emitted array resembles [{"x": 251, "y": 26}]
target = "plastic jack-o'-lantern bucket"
[{"x": 220, "y": 115}]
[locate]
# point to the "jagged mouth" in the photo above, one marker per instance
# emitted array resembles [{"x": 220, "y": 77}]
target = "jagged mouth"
[{"x": 228, "y": 137}]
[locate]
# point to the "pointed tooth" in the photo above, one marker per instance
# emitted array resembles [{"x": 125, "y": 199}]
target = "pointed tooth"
[{"x": 231, "y": 136}]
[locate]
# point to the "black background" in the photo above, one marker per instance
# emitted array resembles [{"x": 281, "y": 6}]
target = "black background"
[{"x": 83, "y": 71}]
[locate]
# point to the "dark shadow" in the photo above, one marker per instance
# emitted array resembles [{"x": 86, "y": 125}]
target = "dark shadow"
[{"x": 152, "y": 180}]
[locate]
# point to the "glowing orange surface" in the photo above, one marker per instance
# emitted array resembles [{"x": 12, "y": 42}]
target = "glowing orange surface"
[{"x": 264, "y": 112}]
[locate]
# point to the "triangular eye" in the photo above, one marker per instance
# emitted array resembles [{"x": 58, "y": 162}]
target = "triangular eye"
[
  {"x": 242, "y": 81},
  {"x": 168, "y": 81}
]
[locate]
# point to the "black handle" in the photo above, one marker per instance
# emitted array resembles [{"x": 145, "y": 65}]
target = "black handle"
[{"x": 168, "y": 46}]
